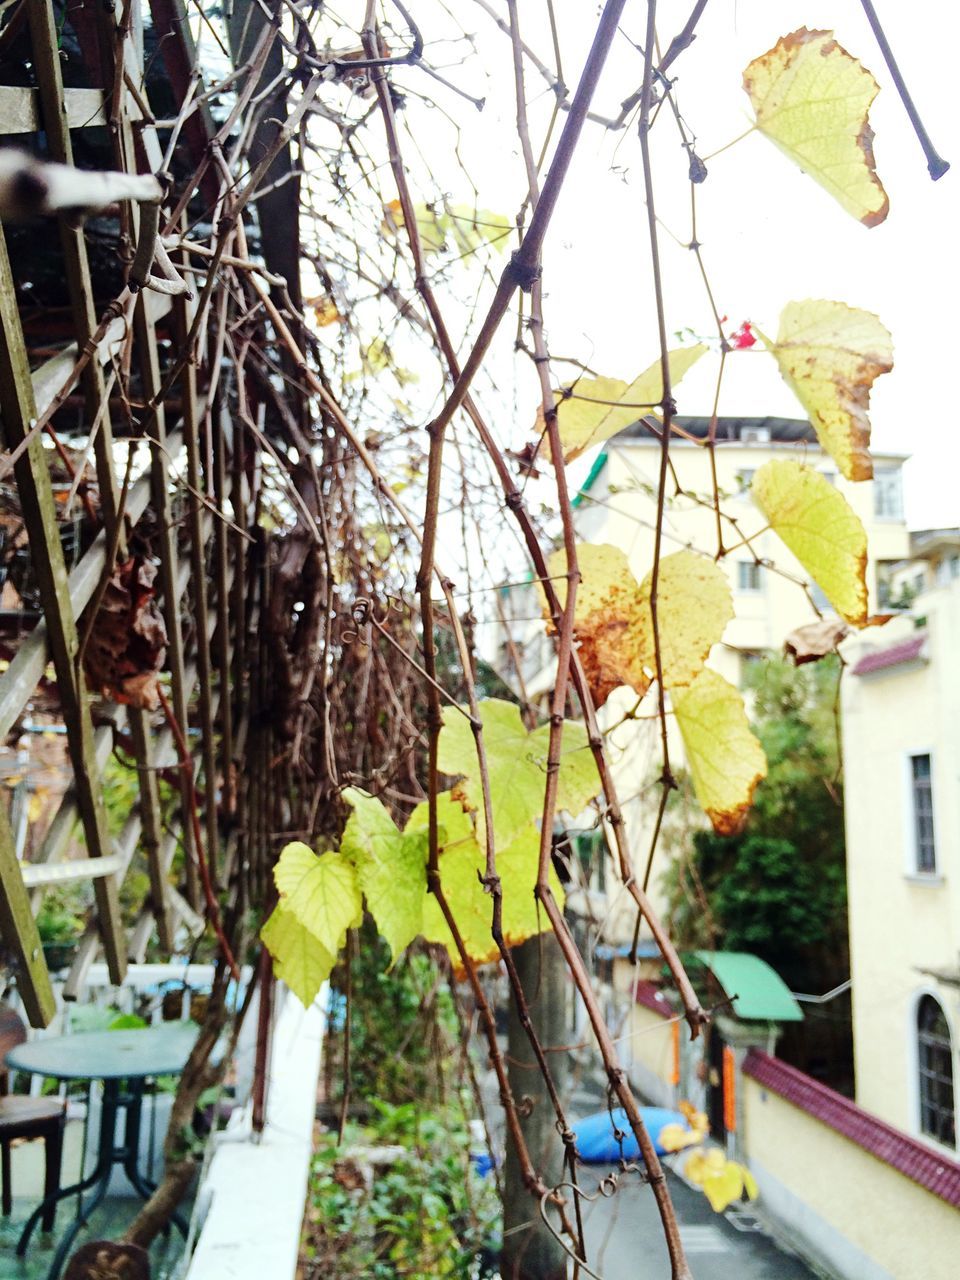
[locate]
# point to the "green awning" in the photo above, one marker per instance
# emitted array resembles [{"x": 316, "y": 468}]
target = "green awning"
[
  {"x": 599, "y": 464},
  {"x": 760, "y": 993}
]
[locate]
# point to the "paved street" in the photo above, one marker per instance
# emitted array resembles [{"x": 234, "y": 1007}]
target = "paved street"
[
  {"x": 624, "y": 1235},
  {"x": 625, "y": 1241},
  {"x": 625, "y": 1238}
]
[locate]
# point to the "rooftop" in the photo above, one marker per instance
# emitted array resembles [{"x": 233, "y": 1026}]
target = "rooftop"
[
  {"x": 927, "y": 542},
  {"x": 777, "y": 430},
  {"x": 895, "y": 655},
  {"x": 937, "y": 1173}
]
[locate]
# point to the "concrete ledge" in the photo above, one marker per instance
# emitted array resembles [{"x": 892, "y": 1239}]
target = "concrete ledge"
[{"x": 256, "y": 1189}]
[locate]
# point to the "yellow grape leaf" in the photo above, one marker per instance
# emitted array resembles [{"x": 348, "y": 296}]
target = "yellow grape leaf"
[
  {"x": 461, "y": 866},
  {"x": 722, "y": 1180},
  {"x": 694, "y": 1118},
  {"x": 830, "y": 355},
  {"x": 614, "y": 624},
  {"x": 811, "y": 99},
  {"x": 516, "y": 767},
  {"x": 472, "y": 227},
  {"x": 468, "y": 226},
  {"x": 431, "y": 226},
  {"x": 391, "y": 868},
  {"x": 723, "y": 1186},
  {"x": 324, "y": 310},
  {"x": 594, "y": 409},
  {"x": 696, "y": 1167},
  {"x": 725, "y": 759},
  {"x": 606, "y": 618},
  {"x": 821, "y": 529},
  {"x": 694, "y": 606},
  {"x": 393, "y": 218},
  {"x": 321, "y": 893},
  {"x": 299, "y": 958},
  {"x": 674, "y": 1137}
]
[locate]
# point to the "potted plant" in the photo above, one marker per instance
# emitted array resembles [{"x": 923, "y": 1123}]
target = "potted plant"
[{"x": 60, "y": 923}]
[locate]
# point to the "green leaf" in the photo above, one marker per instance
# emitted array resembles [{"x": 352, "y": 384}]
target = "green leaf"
[
  {"x": 391, "y": 868},
  {"x": 592, "y": 410},
  {"x": 453, "y": 823},
  {"x": 321, "y": 893},
  {"x": 299, "y": 958},
  {"x": 461, "y": 867},
  {"x": 516, "y": 767}
]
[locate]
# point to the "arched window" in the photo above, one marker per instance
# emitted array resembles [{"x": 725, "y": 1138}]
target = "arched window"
[{"x": 935, "y": 1066}]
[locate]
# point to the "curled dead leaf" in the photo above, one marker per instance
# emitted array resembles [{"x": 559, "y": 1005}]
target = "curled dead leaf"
[
  {"x": 815, "y": 640},
  {"x": 128, "y": 642}
]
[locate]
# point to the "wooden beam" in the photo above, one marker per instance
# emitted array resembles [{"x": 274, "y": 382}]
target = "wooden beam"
[
  {"x": 40, "y": 517},
  {"x": 46, "y": 59},
  {"x": 38, "y": 873},
  {"x": 49, "y": 377},
  {"x": 20, "y": 109},
  {"x": 19, "y": 932}
]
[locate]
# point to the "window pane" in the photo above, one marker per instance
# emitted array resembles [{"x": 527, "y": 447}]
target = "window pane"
[
  {"x": 887, "y": 494},
  {"x": 935, "y": 1071},
  {"x": 923, "y": 813},
  {"x": 748, "y": 575}
]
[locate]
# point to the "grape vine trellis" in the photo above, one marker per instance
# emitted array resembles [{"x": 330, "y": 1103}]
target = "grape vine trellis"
[{"x": 326, "y": 718}]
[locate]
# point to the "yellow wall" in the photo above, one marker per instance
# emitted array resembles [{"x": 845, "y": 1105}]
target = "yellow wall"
[
  {"x": 648, "y": 1055},
  {"x": 902, "y": 923},
  {"x": 651, "y": 1042},
  {"x": 905, "y": 1230}
]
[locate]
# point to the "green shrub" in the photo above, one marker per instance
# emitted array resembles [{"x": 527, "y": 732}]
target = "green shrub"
[{"x": 425, "y": 1214}]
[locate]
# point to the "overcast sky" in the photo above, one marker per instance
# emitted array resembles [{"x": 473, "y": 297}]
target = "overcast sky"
[{"x": 770, "y": 234}]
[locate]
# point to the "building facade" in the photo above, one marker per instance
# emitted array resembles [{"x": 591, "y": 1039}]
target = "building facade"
[{"x": 901, "y": 736}]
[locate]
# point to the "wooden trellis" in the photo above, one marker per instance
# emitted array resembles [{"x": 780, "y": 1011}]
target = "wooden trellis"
[{"x": 199, "y": 466}]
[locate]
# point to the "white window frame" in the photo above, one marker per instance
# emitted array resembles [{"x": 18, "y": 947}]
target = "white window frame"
[
  {"x": 913, "y": 1067},
  {"x": 897, "y": 518},
  {"x": 912, "y": 867}
]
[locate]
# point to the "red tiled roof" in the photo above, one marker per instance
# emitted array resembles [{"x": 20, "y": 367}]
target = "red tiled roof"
[
  {"x": 895, "y": 654},
  {"x": 935, "y": 1172},
  {"x": 650, "y": 996}
]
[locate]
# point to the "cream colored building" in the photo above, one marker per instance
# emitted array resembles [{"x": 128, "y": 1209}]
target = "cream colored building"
[
  {"x": 617, "y": 504},
  {"x": 901, "y": 738}
]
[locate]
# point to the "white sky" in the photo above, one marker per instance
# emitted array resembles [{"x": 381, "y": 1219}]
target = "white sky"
[{"x": 770, "y": 234}]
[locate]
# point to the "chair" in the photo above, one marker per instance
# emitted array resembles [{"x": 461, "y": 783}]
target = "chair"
[{"x": 23, "y": 1117}]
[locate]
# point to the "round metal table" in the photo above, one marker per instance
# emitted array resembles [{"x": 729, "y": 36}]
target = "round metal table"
[{"x": 124, "y": 1061}]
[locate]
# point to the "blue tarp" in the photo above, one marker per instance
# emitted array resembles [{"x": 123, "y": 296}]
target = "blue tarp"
[{"x": 597, "y": 1142}]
